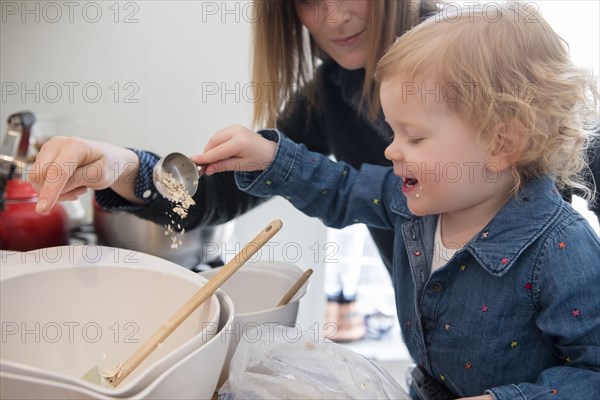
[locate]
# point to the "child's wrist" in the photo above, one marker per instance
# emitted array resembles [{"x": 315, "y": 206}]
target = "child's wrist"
[
  {"x": 272, "y": 136},
  {"x": 269, "y": 134}
]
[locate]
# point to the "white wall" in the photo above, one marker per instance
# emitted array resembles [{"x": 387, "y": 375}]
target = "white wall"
[
  {"x": 170, "y": 74},
  {"x": 162, "y": 62}
]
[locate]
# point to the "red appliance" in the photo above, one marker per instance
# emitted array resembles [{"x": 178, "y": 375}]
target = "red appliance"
[{"x": 21, "y": 227}]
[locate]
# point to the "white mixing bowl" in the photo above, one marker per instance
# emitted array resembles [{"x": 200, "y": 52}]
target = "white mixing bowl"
[
  {"x": 255, "y": 290},
  {"x": 65, "y": 310},
  {"x": 193, "y": 377}
]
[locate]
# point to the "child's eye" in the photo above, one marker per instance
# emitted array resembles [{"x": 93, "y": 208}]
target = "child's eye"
[
  {"x": 388, "y": 132},
  {"x": 414, "y": 140}
]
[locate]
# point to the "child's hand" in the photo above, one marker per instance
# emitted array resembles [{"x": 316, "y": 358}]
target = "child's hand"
[{"x": 236, "y": 148}]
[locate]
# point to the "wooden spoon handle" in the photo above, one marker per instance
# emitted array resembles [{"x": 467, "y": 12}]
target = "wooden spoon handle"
[
  {"x": 290, "y": 293},
  {"x": 196, "y": 300}
]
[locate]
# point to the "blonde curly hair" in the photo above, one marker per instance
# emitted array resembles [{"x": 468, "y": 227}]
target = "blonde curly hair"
[{"x": 503, "y": 63}]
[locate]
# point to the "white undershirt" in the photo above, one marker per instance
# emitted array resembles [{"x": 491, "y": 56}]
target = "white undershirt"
[{"x": 441, "y": 254}]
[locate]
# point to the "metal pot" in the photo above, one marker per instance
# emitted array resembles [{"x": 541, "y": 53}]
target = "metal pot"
[{"x": 124, "y": 230}]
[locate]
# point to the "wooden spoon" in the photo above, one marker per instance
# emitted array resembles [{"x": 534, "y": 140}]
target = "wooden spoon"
[{"x": 290, "y": 293}]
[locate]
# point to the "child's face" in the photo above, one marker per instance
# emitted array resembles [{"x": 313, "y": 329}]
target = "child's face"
[
  {"x": 339, "y": 27},
  {"x": 444, "y": 163}
]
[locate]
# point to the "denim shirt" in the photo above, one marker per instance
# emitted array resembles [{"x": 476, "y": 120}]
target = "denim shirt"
[{"x": 515, "y": 313}]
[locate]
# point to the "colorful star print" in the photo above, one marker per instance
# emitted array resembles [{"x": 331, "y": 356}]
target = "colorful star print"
[
  {"x": 468, "y": 365},
  {"x": 463, "y": 268},
  {"x": 375, "y": 201},
  {"x": 504, "y": 261},
  {"x": 442, "y": 377},
  {"x": 447, "y": 327},
  {"x": 484, "y": 308},
  {"x": 575, "y": 313},
  {"x": 562, "y": 245},
  {"x": 554, "y": 391},
  {"x": 528, "y": 286},
  {"x": 485, "y": 235},
  {"x": 513, "y": 344},
  {"x": 268, "y": 182},
  {"x": 417, "y": 253}
]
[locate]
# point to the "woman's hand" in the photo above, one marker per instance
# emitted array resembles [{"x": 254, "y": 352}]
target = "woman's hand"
[
  {"x": 236, "y": 148},
  {"x": 66, "y": 167}
]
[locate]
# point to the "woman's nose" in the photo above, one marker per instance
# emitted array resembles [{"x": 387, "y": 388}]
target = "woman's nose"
[{"x": 335, "y": 11}]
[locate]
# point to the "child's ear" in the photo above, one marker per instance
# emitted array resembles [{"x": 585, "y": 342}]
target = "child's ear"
[{"x": 507, "y": 145}]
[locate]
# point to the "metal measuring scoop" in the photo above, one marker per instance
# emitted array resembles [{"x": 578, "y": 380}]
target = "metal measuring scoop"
[{"x": 183, "y": 171}]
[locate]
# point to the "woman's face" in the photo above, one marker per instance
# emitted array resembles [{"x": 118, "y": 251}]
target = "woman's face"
[{"x": 339, "y": 27}]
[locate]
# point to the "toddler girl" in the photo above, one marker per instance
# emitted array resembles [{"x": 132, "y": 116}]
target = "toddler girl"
[{"x": 496, "y": 276}]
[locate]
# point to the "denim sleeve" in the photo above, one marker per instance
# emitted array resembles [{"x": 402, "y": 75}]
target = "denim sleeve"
[
  {"x": 144, "y": 187},
  {"x": 566, "y": 283},
  {"x": 334, "y": 192}
]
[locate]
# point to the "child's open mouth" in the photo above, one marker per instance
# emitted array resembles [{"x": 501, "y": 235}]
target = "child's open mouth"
[{"x": 409, "y": 184}]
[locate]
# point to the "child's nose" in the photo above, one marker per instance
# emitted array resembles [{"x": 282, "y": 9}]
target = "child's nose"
[{"x": 393, "y": 152}]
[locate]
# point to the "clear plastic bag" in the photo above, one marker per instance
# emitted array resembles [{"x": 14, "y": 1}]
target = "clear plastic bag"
[{"x": 276, "y": 362}]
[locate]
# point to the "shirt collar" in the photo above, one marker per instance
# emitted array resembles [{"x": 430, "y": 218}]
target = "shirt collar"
[{"x": 518, "y": 224}]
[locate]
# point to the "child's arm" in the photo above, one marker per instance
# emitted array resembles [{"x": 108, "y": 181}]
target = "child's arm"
[
  {"x": 334, "y": 192},
  {"x": 565, "y": 291}
]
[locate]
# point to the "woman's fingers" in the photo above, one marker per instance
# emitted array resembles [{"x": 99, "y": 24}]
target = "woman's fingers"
[
  {"x": 50, "y": 179},
  {"x": 73, "y": 194},
  {"x": 58, "y": 170}
]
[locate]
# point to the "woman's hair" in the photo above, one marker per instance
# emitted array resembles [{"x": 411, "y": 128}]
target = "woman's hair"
[
  {"x": 504, "y": 64},
  {"x": 285, "y": 59}
]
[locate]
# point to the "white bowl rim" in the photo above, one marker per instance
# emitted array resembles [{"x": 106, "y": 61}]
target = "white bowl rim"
[
  {"x": 270, "y": 267},
  {"x": 11, "y": 267}
]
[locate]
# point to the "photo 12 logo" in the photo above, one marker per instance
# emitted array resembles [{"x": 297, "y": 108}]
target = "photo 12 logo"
[
  {"x": 290, "y": 252},
  {"x": 248, "y": 92},
  {"x": 89, "y": 253},
  {"x": 490, "y": 11},
  {"x": 68, "y": 331},
  {"x": 238, "y": 11},
  {"x": 53, "y": 12},
  {"x": 70, "y": 92}
]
